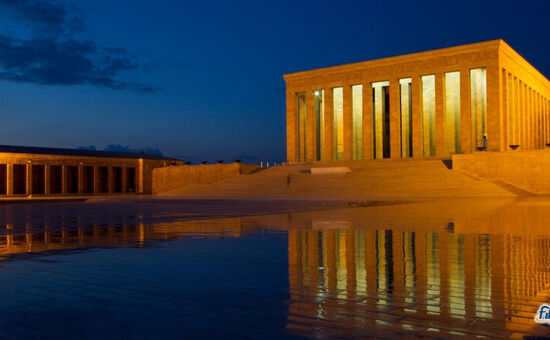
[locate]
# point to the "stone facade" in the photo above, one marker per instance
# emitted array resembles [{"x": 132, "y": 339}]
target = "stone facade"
[
  {"x": 28, "y": 171},
  {"x": 481, "y": 96}
]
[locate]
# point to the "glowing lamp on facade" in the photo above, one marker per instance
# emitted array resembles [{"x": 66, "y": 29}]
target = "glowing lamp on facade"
[{"x": 317, "y": 93}]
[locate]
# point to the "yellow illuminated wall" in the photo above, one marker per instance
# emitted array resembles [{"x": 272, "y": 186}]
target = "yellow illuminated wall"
[
  {"x": 428, "y": 115},
  {"x": 357, "y": 107},
  {"x": 452, "y": 113},
  {"x": 478, "y": 106},
  {"x": 338, "y": 123}
]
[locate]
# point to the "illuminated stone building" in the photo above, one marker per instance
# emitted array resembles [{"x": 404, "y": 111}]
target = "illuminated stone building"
[
  {"x": 47, "y": 171},
  {"x": 475, "y": 97}
]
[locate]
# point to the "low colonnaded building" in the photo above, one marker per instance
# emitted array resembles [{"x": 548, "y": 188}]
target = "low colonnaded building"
[
  {"x": 46, "y": 171},
  {"x": 481, "y": 96}
]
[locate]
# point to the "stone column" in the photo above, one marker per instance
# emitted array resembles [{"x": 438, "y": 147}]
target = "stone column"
[
  {"x": 465, "y": 117},
  {"x": 9, "y": 179},
  {"x": 329, "y": 125},
  {"x": 505, "y": 111},
  {"x": 291, "y": 127},
  {"x": 29, "y": 179},
  {"x": 367, "y": 121},
  {"x": 441, "y": 150},
  {"x": 416, "y": 93},
  {"x": 395, "y": 121}
]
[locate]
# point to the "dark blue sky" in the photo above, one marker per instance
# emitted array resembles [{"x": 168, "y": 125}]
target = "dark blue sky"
[{"x": 203, "y": 79}]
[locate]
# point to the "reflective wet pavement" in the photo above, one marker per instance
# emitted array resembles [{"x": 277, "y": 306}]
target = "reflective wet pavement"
[{"x": 443, "y": 269}]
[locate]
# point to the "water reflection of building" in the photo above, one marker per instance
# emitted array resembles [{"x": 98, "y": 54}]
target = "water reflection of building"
[
  {"x": 415, "y": 282},
  {"x": 113, "y": 235}
]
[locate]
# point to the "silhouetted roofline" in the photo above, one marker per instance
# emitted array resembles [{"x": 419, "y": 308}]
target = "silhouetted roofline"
[{"x": 79, "y": 152}]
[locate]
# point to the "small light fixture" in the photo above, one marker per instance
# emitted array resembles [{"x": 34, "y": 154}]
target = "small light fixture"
[{"x": 317, "y": 93}]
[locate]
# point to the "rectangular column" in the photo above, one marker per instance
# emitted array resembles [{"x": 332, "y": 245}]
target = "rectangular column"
[
  {"x": 504, "y": 127},
  {"x": 416, "y": 90},
  {"x": 367, "y": 121},
  {"x": 440, "y": 149},
  {"x": 494, "y": 112},
  {"x": 291, "y": 127},
  {"x": 9, "y": 179},
  {"x": 395, "y": 121},
  {"x": 329, "y": 126},
  {"x": 348, "y": 123},
  {"x": 96, "y": 179},
  {"x": 465, "y": 116},
  {"x": 29, "y": 179}
]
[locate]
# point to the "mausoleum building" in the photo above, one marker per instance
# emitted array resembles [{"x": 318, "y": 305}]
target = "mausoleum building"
[{"x": 464, "y": 99}]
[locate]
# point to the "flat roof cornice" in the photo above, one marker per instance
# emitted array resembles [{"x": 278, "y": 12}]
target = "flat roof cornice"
[{"x": 397, "y": 59}]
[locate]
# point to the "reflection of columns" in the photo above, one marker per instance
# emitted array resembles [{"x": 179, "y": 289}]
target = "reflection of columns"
[
  {"x": 47, "y": 179},
  {"x": 29, "y": 178},
  {"x": 311, "y": 247},
  {"x": 348, "y": 123},
  {"x": 465, "y": 117},
  {"x": 9, "y": 179},
  {"x": 330, "y": 253},
  {"x": 444, "y": 281},
  {"x": 398, "y": 258},
  {"x": 395, "y": 122},
  {"x": 441, "y": 150},
  {"x": 329, "y": 125},
  {"x": 421, "y": 279},
  {"x": 351, "y": 266},
  {"x": 469, "y": 274},
  {"x": 416, "y": 92},
  {"x": 370, "y": 264},
  {"x": 367, "y": 121}
]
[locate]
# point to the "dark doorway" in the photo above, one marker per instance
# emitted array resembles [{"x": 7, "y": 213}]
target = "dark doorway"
[
  {"x": 103, "y": 179},
  {"x": 56, "y": 178},
  {"x": 19, "y": 179},
  {"x": 89, "y": 179},
  {"x": 130, "y": 179},
  {"x": 117, "y": 179},
  {"x": 72, "y": 179},
  {"x": 3, "y": 179},
  {"x": 386, "y": 128},
  {"x": 38, "y": 179}
]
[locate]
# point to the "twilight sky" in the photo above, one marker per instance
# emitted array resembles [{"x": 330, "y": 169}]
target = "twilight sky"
[{"x": 202, "y": 80}]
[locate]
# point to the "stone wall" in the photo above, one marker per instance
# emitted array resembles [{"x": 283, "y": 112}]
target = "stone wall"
[
  {"x": 174, "y": 177},
  {"x": 526, "y": 170}
]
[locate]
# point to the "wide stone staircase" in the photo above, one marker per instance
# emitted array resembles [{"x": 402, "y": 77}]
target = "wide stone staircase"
[{"x": 372, "y": 178}]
